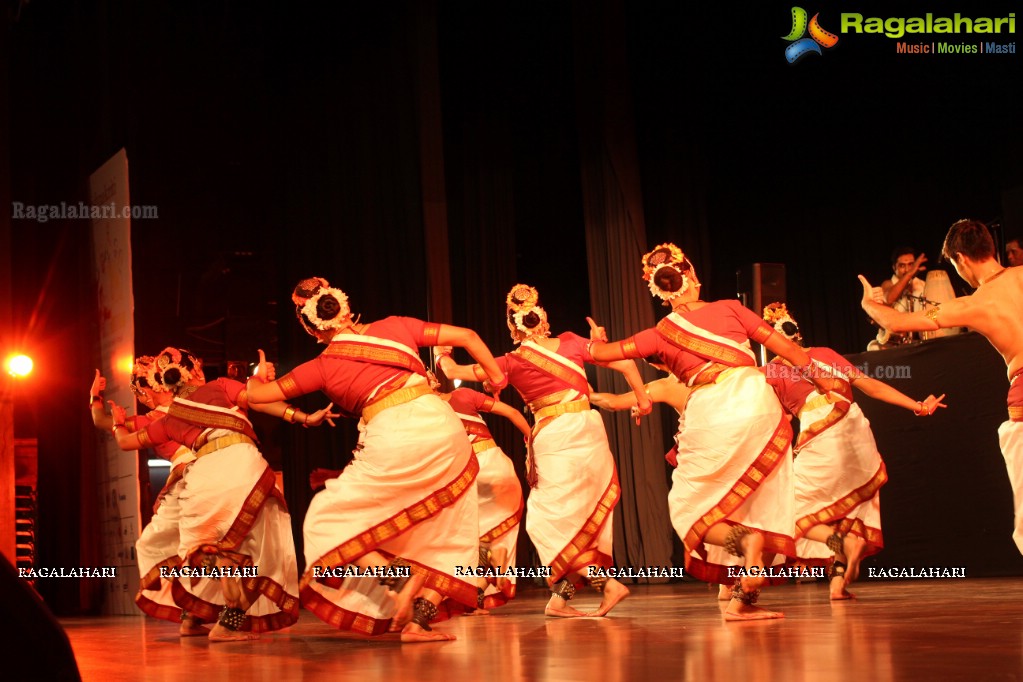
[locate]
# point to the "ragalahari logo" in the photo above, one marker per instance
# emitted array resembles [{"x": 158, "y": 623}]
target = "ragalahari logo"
[{"x": 802, "y": 46}]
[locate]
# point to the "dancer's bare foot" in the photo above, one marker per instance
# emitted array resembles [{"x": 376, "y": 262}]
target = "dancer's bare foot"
[
  {"x": 221, "y": 634},
  {"x": 614, "y": 592},
  {"x": 403, "y": 601},
  {"x": 192, "y": 627},
  {"x": 559, "y": 608},
  {"x": 415, "y": 634},
  {"x": 724, "y": 593},
  {"x": 738, "y": 611},
  {"x": 478, "y": 612},
  {"x": 840, "y": 594},
  {"x": 852, "y": 547}
]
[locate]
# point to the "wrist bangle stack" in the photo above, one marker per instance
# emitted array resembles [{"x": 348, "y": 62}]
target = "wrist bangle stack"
[
  {"x": 115, "y": 427},
  {"x": 920, "y": 409},
  {"x": 289, "y": 414}
]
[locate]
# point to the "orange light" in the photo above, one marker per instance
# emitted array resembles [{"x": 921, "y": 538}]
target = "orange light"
[
  {"x": 126, "y": 364},
  {"x": 19, "y": 365}
]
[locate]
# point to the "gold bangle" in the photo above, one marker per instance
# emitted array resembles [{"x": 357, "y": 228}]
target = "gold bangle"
[
  {"x": 479, "y": 373},
  {"x": 932, "y": 313},
  {"x": 113, "y": 430},
  {"x": 289, "y": 413}
]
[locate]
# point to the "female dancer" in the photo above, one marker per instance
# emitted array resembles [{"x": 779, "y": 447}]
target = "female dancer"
[
  {"x": 732, "y": 487},
  {"x": 838, "y": 471},
  {"x": 234, "y": 523},
  {"x": 157, "y": 546},
  {"x": 571, "y": 469},
  {"x": 500, "y": 495},
  {"x": 405, "y": 509}
]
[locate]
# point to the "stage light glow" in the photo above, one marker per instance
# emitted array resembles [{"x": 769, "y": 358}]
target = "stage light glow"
[
  {"x": 126, "y": 364},
  {"x": 19, "y": 365}
]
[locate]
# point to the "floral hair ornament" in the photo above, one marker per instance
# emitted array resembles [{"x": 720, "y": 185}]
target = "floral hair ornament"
[
  {"x": 161, "y": 375},
  {"x": 777, "y": 315},
  {"x": 308, "y": 298},
  {"x": 526, "y": 319},
  {"x": 144, "y": 364},
  {"x": 666, "y": 256}
]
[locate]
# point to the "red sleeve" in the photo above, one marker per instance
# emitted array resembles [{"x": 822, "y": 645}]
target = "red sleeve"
[
  {"x": 830, "y": 357},
  {"x": 232, "y": 388},
  {"x": 482, "y": 402},
  {"x": 502, "y": 364},
  {"x": 154, "y": 434},
  {"x": 641, "y": 345},
  {"x": 755, "y": 327},
  {"x": 423, "y": 333},
  {"x": 574, "y": 346},
  {"x": 431, "y": 334},
  {"x": 306, "y": 378}
]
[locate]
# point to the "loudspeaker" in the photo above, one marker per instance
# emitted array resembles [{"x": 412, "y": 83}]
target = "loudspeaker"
[{"x": 767, "y": 285}]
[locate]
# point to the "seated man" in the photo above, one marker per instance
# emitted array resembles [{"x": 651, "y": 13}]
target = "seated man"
[{"x": 903, "y": 292}]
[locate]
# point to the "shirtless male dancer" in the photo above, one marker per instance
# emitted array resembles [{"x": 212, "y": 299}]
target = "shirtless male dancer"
[{"x": 995, "y": 310}]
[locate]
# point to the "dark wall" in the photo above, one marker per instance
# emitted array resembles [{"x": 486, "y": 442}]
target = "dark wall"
[{"x": 947, "y": 501}]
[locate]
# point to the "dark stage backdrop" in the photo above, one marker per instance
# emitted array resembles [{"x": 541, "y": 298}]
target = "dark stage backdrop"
[
  {"x": 947, "y": 502},
  {"x": 281, "y": 142}
]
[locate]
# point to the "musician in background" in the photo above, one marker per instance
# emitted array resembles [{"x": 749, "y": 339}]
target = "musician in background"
[
  {"x": 1013, "y": 251},
  {"x": 904, "y": 292}
]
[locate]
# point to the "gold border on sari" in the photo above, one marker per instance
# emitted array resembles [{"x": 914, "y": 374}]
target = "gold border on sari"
[
  {"x": 503, "y": 527},
  {"x": 378, "y": 355},
  {"x": 838, "y": 509},
  {"x": 705, "y": 348},
  {"x": 553, "y": 368},
  {"x": 368, "y": 540},
  {"x": 768, "y": 459},
  {"x": 581, "y": 551},
  {"x": 197, "y": 416}
]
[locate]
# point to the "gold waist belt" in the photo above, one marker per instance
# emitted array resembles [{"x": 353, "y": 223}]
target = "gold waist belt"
[
  {"x": 816, "y": 402},
  {"x": 182, "y": 458},
  {"x": 399, "y": 397},
  {"x": 562, "y": 408},
  {"x": 705, "y": 375},
  {"x": 223, "y": 442},
  {"x": 481, "y": 445},
  {"x": 1016, "y": 414}
]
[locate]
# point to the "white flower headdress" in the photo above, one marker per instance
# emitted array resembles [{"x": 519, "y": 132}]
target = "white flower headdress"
[
  {"x": 522, "y": 301},
  {"x": 666, "y": 256},
  {"x": 308, "y": 306}
]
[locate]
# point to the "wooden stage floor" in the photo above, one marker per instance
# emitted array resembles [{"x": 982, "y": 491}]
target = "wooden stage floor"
[{"x": 932, "y": 630}]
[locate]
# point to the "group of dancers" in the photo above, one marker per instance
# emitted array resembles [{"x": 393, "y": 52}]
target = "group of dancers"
[{"x": 429, "y": 492}]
